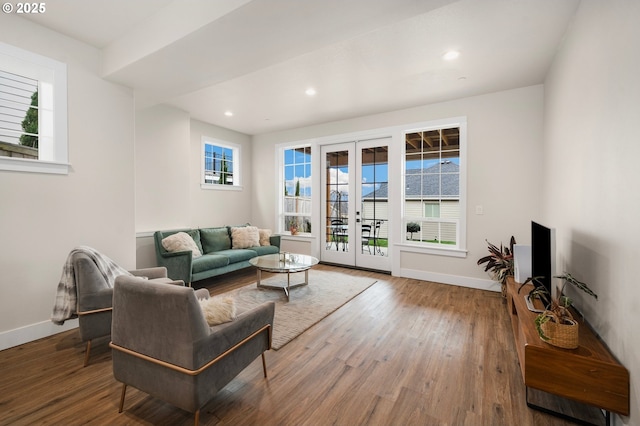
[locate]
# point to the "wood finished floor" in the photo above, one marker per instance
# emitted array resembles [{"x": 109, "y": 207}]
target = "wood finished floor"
[{"x": 404, "y": 352}]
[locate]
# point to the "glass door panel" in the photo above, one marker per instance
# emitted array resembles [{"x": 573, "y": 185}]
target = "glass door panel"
[
  {"x": 374, "y": 205},
  {"x": 337, "y": 215},
  {"x": 355, "y": 201}
]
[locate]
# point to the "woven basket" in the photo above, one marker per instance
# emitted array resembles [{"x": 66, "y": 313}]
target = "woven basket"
[{"x": 561, "y": 335}]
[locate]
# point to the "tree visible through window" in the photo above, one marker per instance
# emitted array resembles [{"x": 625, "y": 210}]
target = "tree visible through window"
[
  {"x": 33, "y": 112},
  {"x": 18, "y": 115},
  {"x": 220, "y": 163},
  {"x": 296, "y": 201}
]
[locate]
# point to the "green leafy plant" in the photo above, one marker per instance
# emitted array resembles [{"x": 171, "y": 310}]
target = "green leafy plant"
[
  {"x": 558, "y": 311},
  {"x": 499, "y": 263}
]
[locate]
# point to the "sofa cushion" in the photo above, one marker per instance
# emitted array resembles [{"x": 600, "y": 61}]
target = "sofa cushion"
[
  {"x": 195, "y": 234},
  {"x": 262, "y": 250},
  {"x": 215, "y": 239},
  {"x": 244, "y": 237},
  {"x": 238, "y": 255},
  {"x": 209, "y": 261},
  {"x": 181, "y": 241}
]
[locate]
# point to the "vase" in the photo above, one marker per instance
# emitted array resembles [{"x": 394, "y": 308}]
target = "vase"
[{"x": 561, "y": 335}]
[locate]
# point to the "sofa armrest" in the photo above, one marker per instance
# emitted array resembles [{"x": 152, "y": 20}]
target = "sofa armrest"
[
  {"x": 275, "y": 240},
  {"x": 178, "y": 265},
  {"x": 151, "y": 273},
  {"x": 225, "y": 336}
]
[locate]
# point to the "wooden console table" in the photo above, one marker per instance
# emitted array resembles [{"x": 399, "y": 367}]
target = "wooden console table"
[{"x": 589, "y": 374}]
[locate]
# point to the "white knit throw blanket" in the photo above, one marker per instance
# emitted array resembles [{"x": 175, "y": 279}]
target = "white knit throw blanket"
[{"x": 66, "y": 302}]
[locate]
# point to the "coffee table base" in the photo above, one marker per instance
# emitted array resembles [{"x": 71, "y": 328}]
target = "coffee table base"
[{"x": 284, "y": 286}]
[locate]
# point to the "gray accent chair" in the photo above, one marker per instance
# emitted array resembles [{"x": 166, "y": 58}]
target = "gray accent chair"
[
  {"x": 163, "y": 346},
  {"x": 95, "y": 298}
]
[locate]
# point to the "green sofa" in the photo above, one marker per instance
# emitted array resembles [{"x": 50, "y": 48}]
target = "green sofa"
[{"x": 218, "y": 256}]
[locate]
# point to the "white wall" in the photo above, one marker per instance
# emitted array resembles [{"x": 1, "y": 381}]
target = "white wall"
[
  {"x": 168, "y": 193},
  {"x": 162, "y": 164},
  {"x": 504, "y": 157},
  {"x": 592, "y": 112},
  {"x": 220, "y": 206},
  {"x": 43, "y": 217}
]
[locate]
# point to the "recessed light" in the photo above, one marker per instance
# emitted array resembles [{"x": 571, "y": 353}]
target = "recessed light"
[
  {"x": 228, "y": 113},
  {"x": 310, "y": 91},
  {"x": 450, "y": 55}
]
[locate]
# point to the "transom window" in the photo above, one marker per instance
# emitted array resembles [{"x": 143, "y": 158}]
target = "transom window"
[{"x": 220, "y": 163}]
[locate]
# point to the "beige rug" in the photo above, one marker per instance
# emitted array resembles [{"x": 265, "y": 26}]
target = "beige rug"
[{"x": 326, "y": 292}]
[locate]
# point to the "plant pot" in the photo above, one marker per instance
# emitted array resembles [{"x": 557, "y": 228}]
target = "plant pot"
[{"x": 561, "y": 335}]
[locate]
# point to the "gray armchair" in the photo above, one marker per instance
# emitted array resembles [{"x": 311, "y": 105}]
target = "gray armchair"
[
  {"x": 95, "y": 297},
  {"x": 163, "y": 346}
]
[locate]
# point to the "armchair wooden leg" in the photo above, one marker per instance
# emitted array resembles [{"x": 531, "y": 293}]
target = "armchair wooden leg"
[
  {"x": 197, "y": 418},
  {"x": 87, "y": 351},
  {"x": 264, "y": 365},
  {"x": 124, "y": 391}
]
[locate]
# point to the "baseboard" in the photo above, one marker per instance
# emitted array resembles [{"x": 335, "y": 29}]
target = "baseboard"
[
  {"x": 29, "y": 333},
  {"x": 478, "y": 283}
]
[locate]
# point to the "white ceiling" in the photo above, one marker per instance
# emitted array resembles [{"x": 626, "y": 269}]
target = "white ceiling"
[{"x": 257, "y": 57}]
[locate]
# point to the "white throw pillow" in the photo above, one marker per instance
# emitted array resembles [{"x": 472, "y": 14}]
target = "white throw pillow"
[
  {"x": 218, "y": 310},
  {"x": 264, "y": 237},
  {"x": 180, "y": 241},
  {"x": 245, "y": 237}
]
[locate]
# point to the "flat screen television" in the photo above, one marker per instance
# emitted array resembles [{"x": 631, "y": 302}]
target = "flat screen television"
[{"x": 543, "y": 256}]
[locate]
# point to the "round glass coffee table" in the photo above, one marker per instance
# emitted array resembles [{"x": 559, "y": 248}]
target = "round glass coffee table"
[{"x": 284, "y": 263}]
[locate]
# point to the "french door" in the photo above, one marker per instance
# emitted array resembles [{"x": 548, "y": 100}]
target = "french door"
[{"x": 355, "y": 204}]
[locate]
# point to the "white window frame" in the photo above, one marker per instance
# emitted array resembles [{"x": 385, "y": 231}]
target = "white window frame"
[
  {"x": 281, "y": 185},
  {"x": 458, "y": 250},
  {"x": 52, "y": 91},
  {"x": 236, "y": 160}
]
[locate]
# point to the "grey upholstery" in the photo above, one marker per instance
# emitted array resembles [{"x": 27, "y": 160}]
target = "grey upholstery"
[
  {"x": 95, "y": 297},
  {"x": 163, "y": 345}
]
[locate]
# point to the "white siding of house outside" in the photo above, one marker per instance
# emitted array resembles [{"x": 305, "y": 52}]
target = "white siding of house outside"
[{"x": 381, "y": 212}]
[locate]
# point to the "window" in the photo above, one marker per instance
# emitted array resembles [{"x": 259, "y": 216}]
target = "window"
[
  {"x": 220, "y": 164},
  {"x": 433, "y": 200},
  {"x": 33, "y": 112},
  {"x": 296, "y": 199}
]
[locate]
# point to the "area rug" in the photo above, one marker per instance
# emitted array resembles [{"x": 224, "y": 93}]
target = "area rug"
[{"x": 327, "y": 291}]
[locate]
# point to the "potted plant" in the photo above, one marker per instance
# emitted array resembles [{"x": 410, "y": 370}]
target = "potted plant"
[
  {"x": 556, "y": 325},
  {"x": 499, "y": 263},
  {"x": 293, "y": 226}
]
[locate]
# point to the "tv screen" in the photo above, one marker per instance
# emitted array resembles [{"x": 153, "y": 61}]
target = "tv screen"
[{"x": 543, "y": 255}]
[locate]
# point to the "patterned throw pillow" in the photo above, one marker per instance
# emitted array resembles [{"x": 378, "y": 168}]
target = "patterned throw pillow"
[{"x": 180, "y": 241}]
